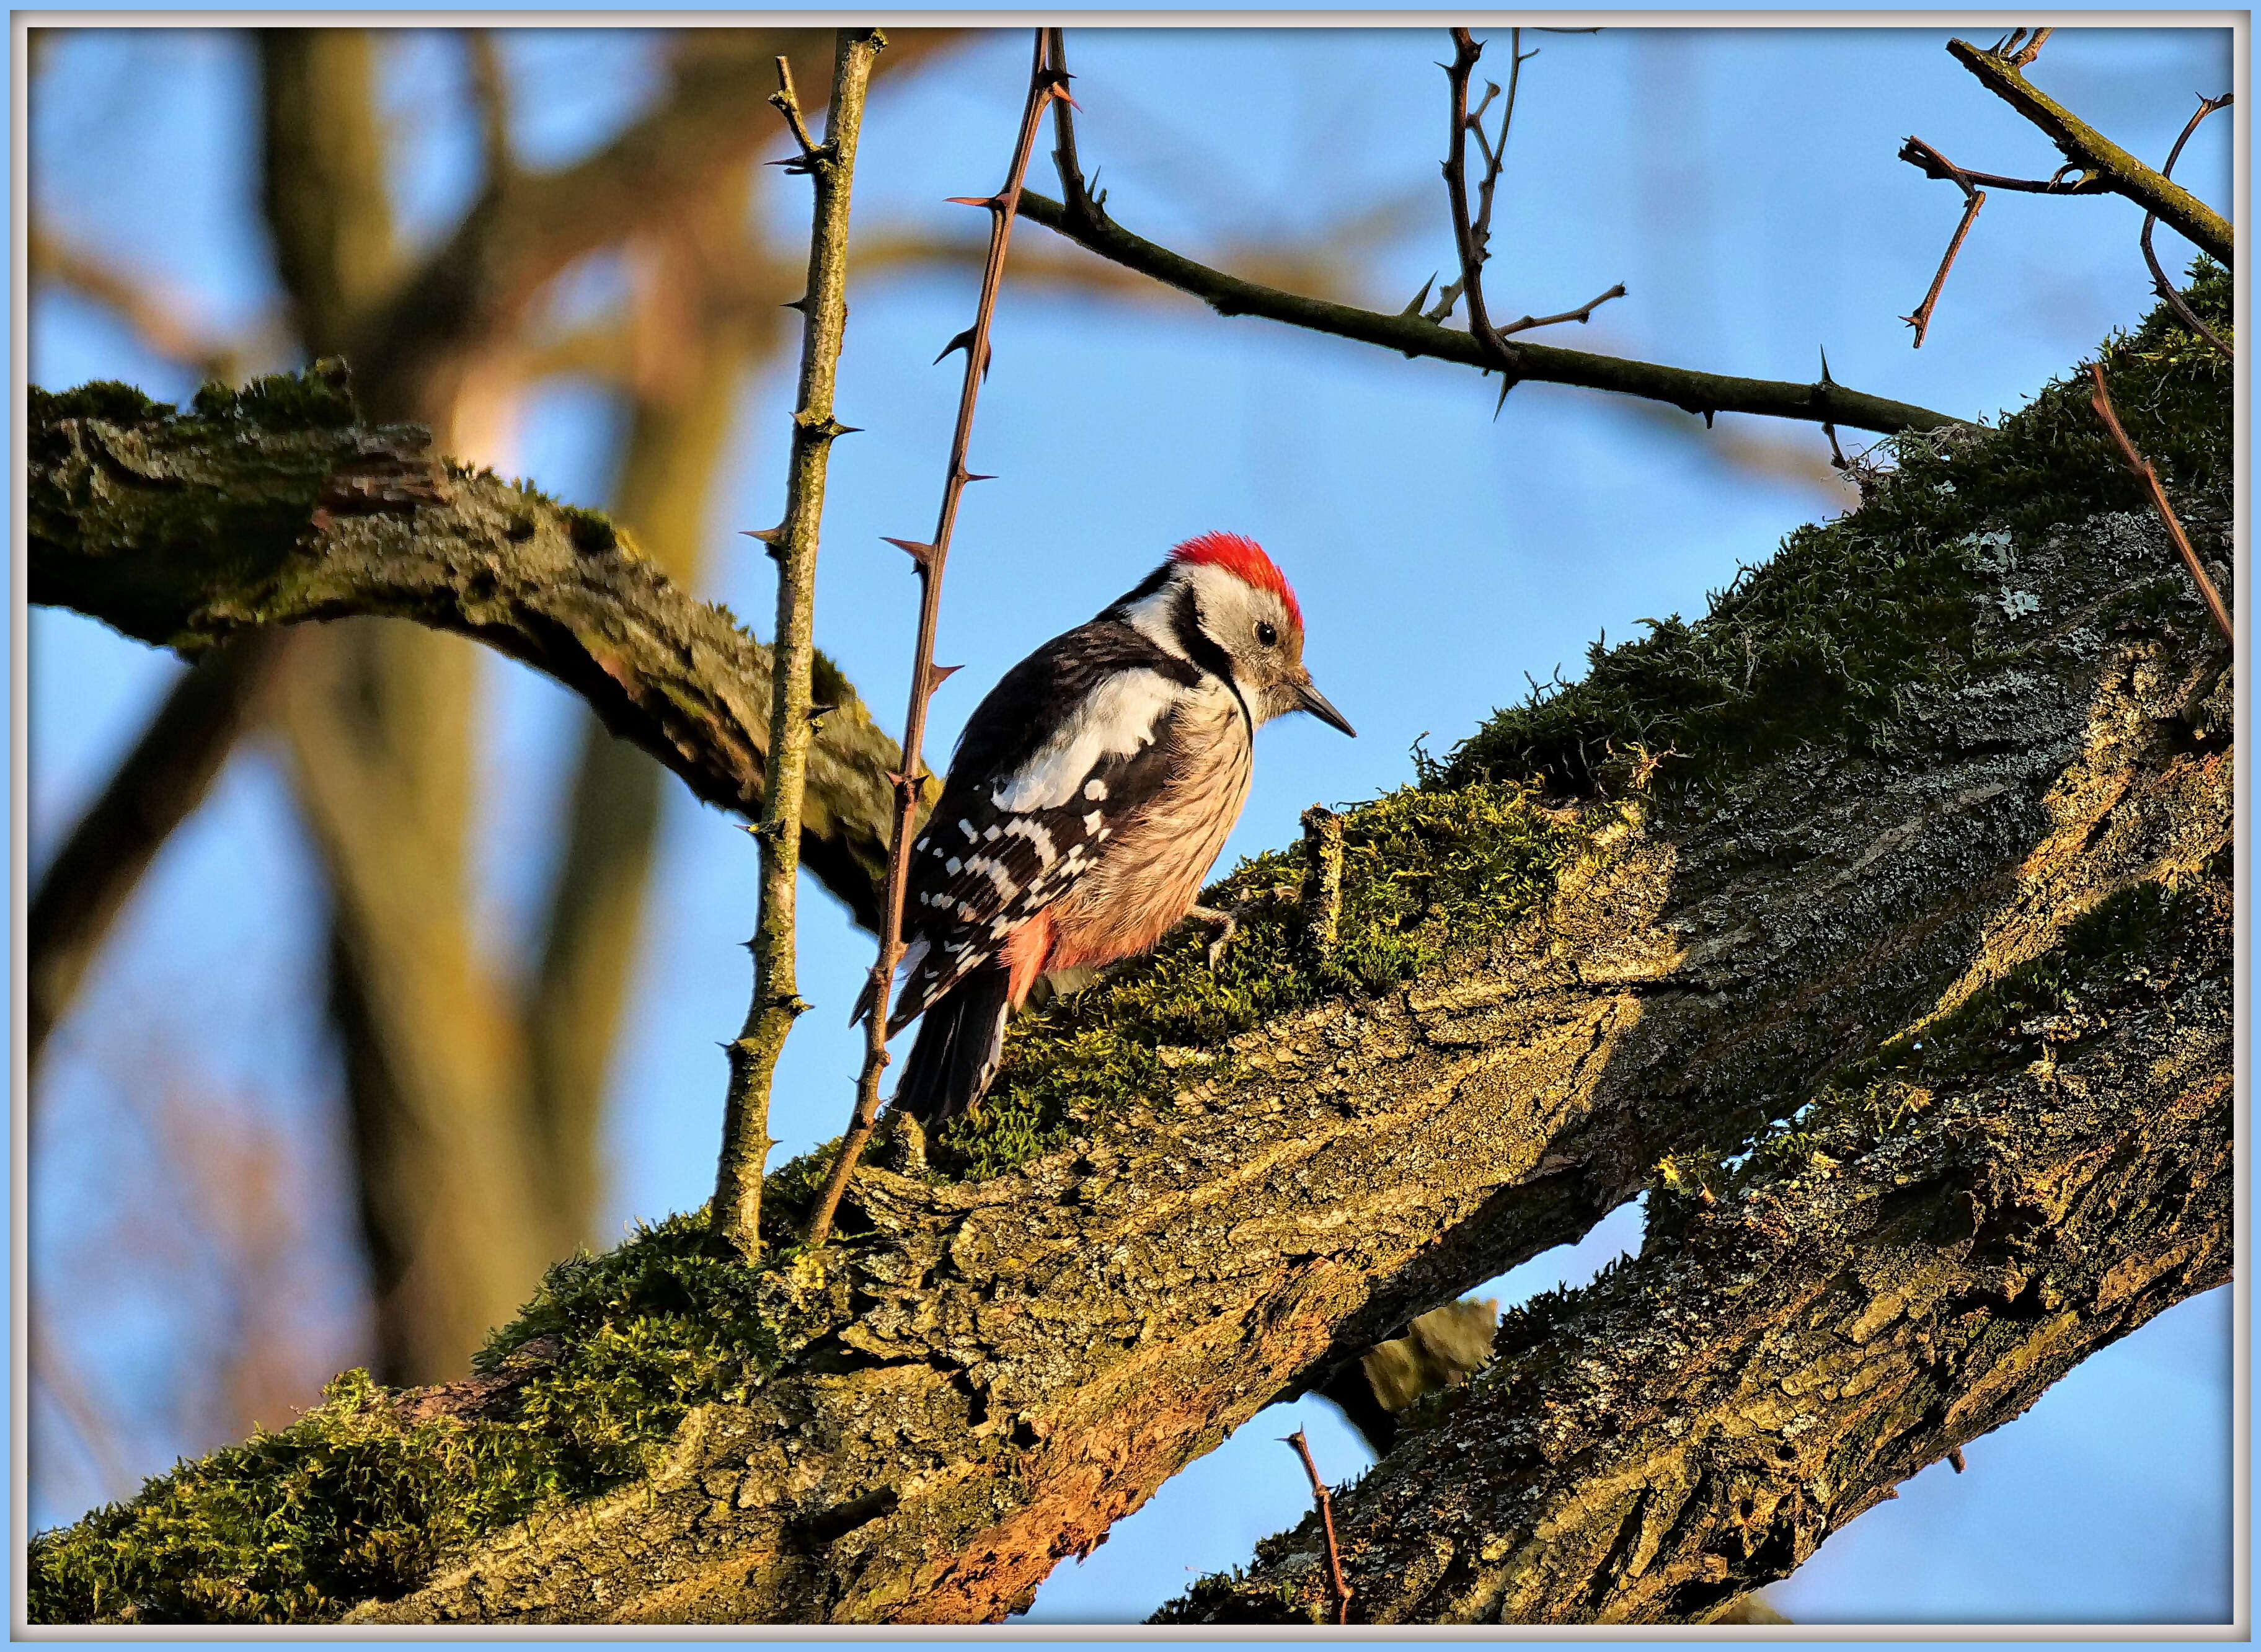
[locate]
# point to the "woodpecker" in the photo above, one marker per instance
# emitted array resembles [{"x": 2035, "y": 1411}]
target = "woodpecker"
[{"x": 1086, "y": 800}]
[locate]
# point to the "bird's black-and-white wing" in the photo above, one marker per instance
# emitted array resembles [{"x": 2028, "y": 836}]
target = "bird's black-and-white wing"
[{"x": 1069, "y": 743}]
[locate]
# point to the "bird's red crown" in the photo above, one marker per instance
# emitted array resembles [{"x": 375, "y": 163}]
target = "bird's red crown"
[{"x": 1244, "y": 559}]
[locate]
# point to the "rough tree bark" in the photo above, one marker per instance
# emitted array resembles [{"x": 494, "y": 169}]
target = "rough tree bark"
[
  {"x": 987, "y": 1374},
  {"x": 1651, "y": 1448},
  {"x": 272, "y": 507}
]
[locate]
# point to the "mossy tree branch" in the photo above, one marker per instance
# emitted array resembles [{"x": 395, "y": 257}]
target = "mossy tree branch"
[
  {"x": 777, "y": 1002},
  {"x": 1941, "y": 742},
  {"x": 996, "y": 1370},
  {"x": 2096, "y": 154},
  {"x": 274, "y": 507},
  {"x": 1907, "y": 1269}
]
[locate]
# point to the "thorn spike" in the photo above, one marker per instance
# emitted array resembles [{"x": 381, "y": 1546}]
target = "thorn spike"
[{"x": 917, "y": 549}]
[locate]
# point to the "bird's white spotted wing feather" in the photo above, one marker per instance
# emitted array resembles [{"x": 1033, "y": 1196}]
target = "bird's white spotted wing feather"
[{"x": 1000, "y": 848}]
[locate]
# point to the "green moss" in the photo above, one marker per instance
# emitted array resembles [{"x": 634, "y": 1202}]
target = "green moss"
[
  {"x": 343, "y": 1503},
  {"x": 592, "y": 532},
  {"x": 320, "y": 398},
  {"x": 106, "y": 399},
  {"x": 667, "y": 1321},
  {"x": 351, "y": 1503},
  {"x": 1424, "y": 872},
  {"x": 1822, "y": 643}
]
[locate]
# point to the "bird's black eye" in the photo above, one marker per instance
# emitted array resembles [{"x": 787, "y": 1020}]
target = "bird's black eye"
[{"x": 1264, "y": 633}]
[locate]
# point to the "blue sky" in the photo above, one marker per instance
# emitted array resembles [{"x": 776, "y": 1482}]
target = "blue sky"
[{"x": 1741, "y": 183}]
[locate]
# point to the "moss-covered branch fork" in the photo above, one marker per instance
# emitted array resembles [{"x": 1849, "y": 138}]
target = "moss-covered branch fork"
[
  {"x": 1918, "y": 780},
  {"x": 271, "y": 506}
]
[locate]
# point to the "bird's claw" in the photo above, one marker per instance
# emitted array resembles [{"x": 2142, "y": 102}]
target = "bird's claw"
[{"x": 1226, "y": 923}]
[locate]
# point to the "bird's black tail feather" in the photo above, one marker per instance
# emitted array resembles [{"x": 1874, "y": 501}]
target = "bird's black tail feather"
[{"x": 959, "y": 1041}]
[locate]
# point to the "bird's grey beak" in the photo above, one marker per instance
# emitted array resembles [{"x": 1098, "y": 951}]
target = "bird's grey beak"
[{"x": 1307, "y": 697}]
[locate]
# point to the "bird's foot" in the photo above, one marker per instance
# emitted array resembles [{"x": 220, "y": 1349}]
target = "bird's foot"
[{"x": 1226, "y": 923}]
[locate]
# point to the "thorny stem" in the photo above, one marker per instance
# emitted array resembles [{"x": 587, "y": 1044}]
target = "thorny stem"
[
  {"x": 2102, "y": 402},
  {"x": 1081, "y": 217},
  {"x": 1472, "y": 234},
  {"x": 1047, "y": 81},
  {"x": 1972, "y": 200},
  {"x": 1469, "y": 235},
  {"x": 1337, "y": 1586},
  {"x": 1071, "y": 172},
  {"x": 777, "y": 1003},
  {"x": 1411, "y": 335},
  {"x": 2084, "y": 147},
  {"x": 2164, "y": 287}
]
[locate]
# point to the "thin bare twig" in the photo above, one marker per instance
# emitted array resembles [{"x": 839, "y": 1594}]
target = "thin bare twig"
[
  {"x": 1973, "y": 198},
  {"x": 2008, "y": 48},
  {"x": 2164, "y": 287},
  {"x": 736, "y": 1213},
  {"x": 1472, "y": 231},
  {"x": 1047, "y": 81},
  {"x": 1323, "y": 868},
  {"x": 1336, "y": 1587},
  {"x": 1932, "y": 164},
  {"x": 786, "y": 102},
  {"x": 1691, "y": 389},
  {"x": 1472, "y": 234},
  {"x": 2102, "y": 402},
  {"x": 1582, "y": 314}
]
